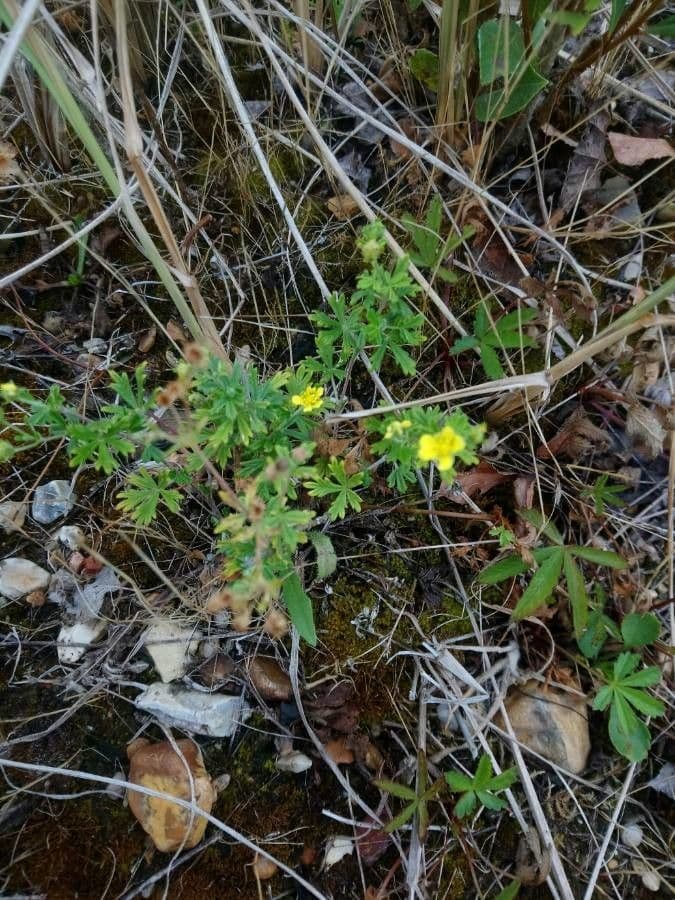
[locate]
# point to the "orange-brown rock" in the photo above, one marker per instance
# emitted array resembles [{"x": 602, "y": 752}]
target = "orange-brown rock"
[{"x": 159, "y": 768}]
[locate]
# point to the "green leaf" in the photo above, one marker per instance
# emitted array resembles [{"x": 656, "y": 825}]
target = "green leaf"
[
  {"x": 539, "y": 590},
  {"x": 599, "y": 557},
  {"x": 546, "y": 526},
  {"x": 510, "y": 892},
  {"x": 458, "y": 782},
  {"x": 401, "y": 818},
  {"x": 502, "y": 569},
  {"x": 500, "y": 49},
  {"x": 629, "y": 735},
  {"x": 396, "y": 789},
  {"x": 424, "y": 66},
  {"x": 640, "y": 629},
  {"x": 483, "y": 772},
  {"x": 644, "y": 678},
  {"x": 465, "y": 805},
  {"x": 498, "y": 104},
  {"x": 504, "y": 780},
  {"x": 488, "y": 356},
  {"x": 299, "y": 608},
  {"x": 644, "y": 703},
  {"x": 490, "y": 801},
  {"x": 592, "y": 640},
  {"x": 664, "y": 28},
  {"x": 603, "y": 698},
  {"x": 326, "y": 558},
  {"x": 576, "y": 589}
]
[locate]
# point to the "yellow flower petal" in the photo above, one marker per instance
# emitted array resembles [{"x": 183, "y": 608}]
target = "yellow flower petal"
[{"x": 310, "y": 399}]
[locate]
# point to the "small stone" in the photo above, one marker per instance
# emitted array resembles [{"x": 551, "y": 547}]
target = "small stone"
[
  {"x": 12, "y": 516},
  {"x": 632, "y": 835},
  {"x": 19, "y": 577},
  {"x": 182, "y": 775},
  {"x": 170, "y": 648},
  {"x": 336, "y": 850},
  {"x": 264, "y": 868},
  {"x": 651, "y": 880},
  {"x": 52, "y": 501},
  {"x": 552, "y": 723},
  {"x": 36, "y": 599},
  {"x": 338, "y": 751},
  {"x": 294, "y": 762},
  {"x": 269, "y": 679},
  {"x": 215, "y": 715},
  {"x": 70, "y": 536},
  {"x": 74, "y": 640},
  {"x": 214, "y": 671}
]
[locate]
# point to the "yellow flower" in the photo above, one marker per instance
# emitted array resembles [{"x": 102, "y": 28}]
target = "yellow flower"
[
  {"x": 396, "y": 428},
  {"x": 309, "y": 400},
  {"x": 8, "y": 390},
  {"x": 441, "y": 448}
]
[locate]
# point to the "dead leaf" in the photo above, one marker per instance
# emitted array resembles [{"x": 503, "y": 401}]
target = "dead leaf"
[
  {"x": 175, "y": 332},
  {"x": 578, "y": 437},
  {"x": 8, "y": 167},
  {"x": 634, "y": 151},
  {"x": 343, "y": 207},
  {"x": 372, "y": 842},
  {"x": 523, "y": 491},
  {"x": 147, "y": 340},
  {"x": 645, "y": 430},
  {"x": 479, "y": 480},
  {"x": 338, "y": 751},
  {"x": 587, "y": 162}
]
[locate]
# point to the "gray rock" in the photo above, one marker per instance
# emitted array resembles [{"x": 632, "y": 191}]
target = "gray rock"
[
  {"x": 12, "y": 515},
  {"x": 52, "y": 501},
  {"x": 74, "y": 640},
  {"x": 19, "y": 577},
  {"x": 170, "y": 647},
  {"x": 215, "y": 715}
]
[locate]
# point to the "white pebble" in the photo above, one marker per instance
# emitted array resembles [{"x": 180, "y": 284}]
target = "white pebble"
[
  {"x": 632, "y": 835},
  {"x": 294, "y": 762},
  {"x": 652, "y": 881}
]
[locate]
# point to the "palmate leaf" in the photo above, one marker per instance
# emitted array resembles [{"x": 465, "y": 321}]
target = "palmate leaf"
[
  {"x": 465, "y": 805},
  {"x": 504, "y": 568},
  {"x": 539, "y": 590},
  {"x": 396, "y": 789},
  {"x": 490, "y": 801}
]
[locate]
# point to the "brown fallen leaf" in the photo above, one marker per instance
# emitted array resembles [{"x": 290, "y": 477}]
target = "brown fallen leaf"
[
  {"x": 575, "y": 439},
  {"x": 587, "y": 162},
  {"x": 479, "y": 480},
  {"x": 8, "y": 167},
  {"x": 644, "y": 428},
  {"x": 339, "y": 752},
  {"x": 343, "y": 207},
  {"x": 629, "y": 150},
  {"x": 372, "y": 842},
  {"x": 147, "y": 339}
]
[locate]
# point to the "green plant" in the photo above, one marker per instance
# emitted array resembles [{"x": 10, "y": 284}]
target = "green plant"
[
  {"x": 417, "y": 801},
  {"x": 77, "y": 276},
  {"x": 248, "y": 440},
  {"x": 506, "y": 537},
  {"x": 488, "y": 337},
  {"x": 338, "y": 481},
  {"x": 430, "y": 250},
  {"x": 553, "y": 562},
  {"x": 624, "y": 694},
  {"x": 603, "y": 493},
  {"x": 480, "y": 788},
  {"x": 377, "y": 319},
  {"x": 425, "y": 434}
]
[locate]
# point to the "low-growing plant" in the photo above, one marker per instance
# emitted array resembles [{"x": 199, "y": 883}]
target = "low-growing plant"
[
  {"x": 417, "y": 801},
  {"x": 430, "y": 250},
  {"x": 250, "y": 440},
  {"x": 481, "y": 788},
  {"x": 553, "y": 562},
  {"x": 489, "y": 337},
  {"x": 625, "y": 695},
  {"x": 603, "y": 494}
]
